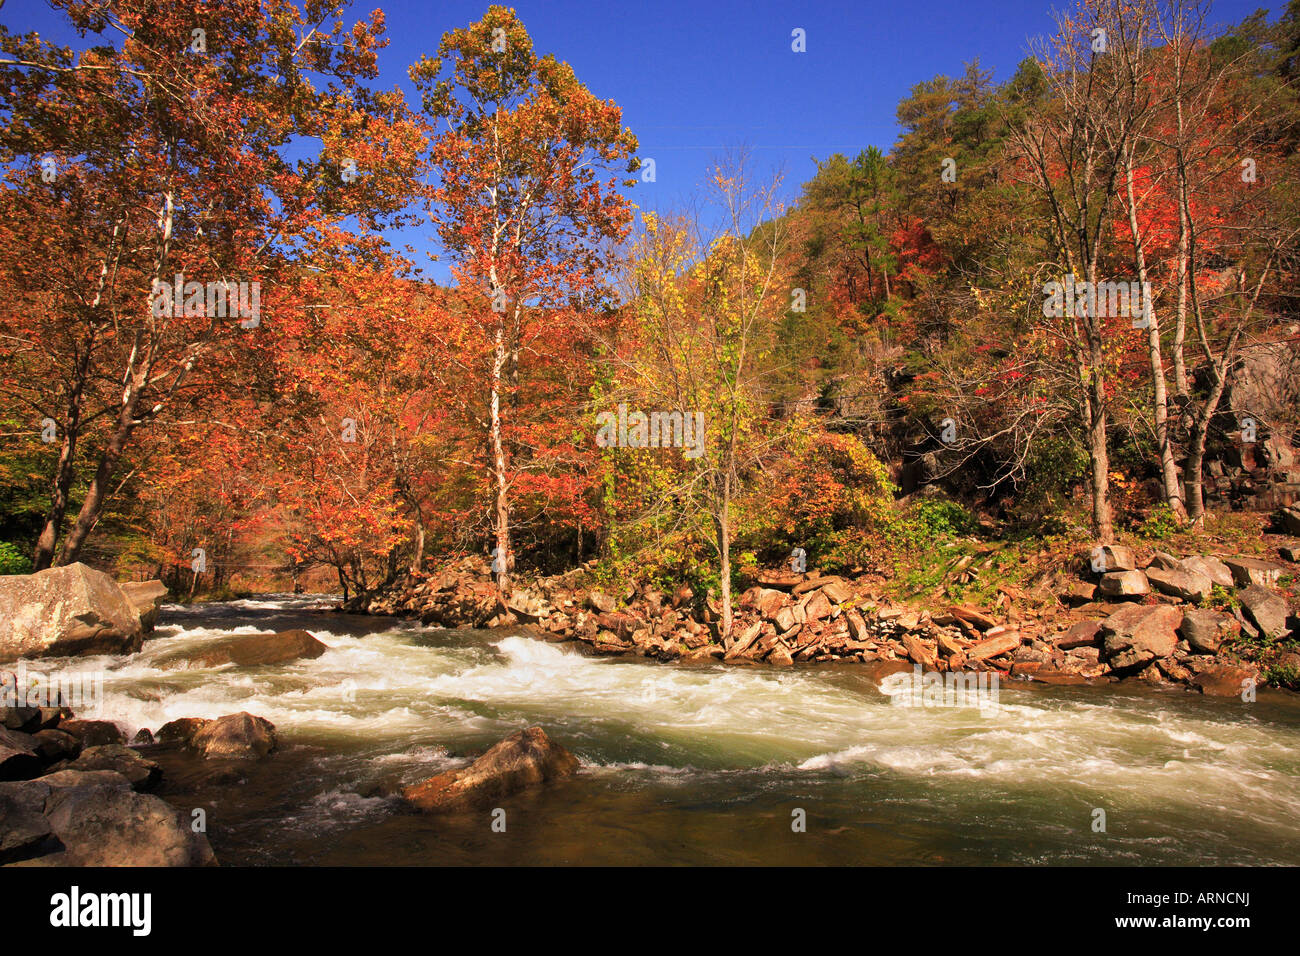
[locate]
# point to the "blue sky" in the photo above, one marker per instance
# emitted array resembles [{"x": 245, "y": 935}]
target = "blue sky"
[{"x": 697, "y": 76}]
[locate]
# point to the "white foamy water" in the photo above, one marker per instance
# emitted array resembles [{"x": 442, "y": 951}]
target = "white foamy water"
[{"x": 391, "y": 697}]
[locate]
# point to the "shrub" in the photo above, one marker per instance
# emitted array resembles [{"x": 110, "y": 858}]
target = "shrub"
[{"x": 12, "y": 560}]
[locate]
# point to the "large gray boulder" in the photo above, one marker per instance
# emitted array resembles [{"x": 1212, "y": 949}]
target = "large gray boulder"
[
  {"x": 1248, "y": 571},
  {"x": 1205, "y": 629},
  {"x": 525, "y": 759},
  {"x": 1124, "y": 584},
  {"x": 96, "y": 819},
  {"x": 1210, "y": 566},
  {"x": 64, "y": 611}
]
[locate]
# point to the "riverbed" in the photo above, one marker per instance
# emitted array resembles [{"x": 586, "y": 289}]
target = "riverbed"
[{"x": 700, "y": 764}]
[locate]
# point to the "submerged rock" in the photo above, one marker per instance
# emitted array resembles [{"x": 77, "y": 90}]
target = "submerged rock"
[
  {"x": 525, "y": 759},
  {"x": 255, "y": 650}
]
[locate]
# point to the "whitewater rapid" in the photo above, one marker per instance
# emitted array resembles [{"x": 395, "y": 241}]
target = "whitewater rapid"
[{"x": 390, "y": 698}]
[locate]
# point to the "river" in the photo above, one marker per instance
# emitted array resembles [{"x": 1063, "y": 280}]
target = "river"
[{"x": 700, "y": 764}]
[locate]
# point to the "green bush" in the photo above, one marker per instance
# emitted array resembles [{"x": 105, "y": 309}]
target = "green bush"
[
  {"x": 1160, "y": 524},
  {"x": 12, "y": 560},
  {"x": 940, "y": 518}
]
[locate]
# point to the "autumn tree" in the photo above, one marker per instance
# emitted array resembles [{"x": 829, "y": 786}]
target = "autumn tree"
[
  {"x": 525, "y": 200},
  {"x": 166, "y": 156},
  {"x": 707, "y": 309}
]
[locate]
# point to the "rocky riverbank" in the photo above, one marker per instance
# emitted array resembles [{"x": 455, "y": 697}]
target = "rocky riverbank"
[{"x": 1218, "y": 624}]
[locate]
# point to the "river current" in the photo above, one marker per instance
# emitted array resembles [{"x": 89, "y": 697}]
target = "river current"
[{"x": 715, "y": 764}]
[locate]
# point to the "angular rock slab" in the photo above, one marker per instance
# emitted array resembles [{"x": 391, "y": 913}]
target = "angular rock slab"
[{"x": 1139, "y": 634}]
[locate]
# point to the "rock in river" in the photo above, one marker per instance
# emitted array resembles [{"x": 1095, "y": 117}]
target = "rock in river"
[
  {"x": 96, "y": 819},
  {"x": 527, "y": 758},
  {"x": 236, "y": 735},
  {"x": 63, "y": 611},
  {"x": 254, "y": 650}
]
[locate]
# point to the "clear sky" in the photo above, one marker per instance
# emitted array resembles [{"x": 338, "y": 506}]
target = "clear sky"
[{"x": 697, "y": 76}]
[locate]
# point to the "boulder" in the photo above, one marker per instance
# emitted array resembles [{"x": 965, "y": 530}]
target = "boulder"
[
  {"x": 29, "y": 719},
  {"x": 527, "y": 758},
  {"x": 767, "y": 602},
  {"x": 993, "y": 646},
  {"x": 788, "y": 618},
  {"x": 1162, "y": 561},
  {"x": 1081, "y": 634},
  {"x": 600, "y": 602},
  {"x": 1111, "y": 557},
  {"x": 972, "y": 616},
  {"x": 64, "y": 611},
  {"x": 1287, "y": 519},
  {"x": 236, "y": 735},
  {"x": 255, "y": 650},
  {"x": 780, "y": 656},
  {"x": 57, "y": 745},
  {"x": 145, "y": 597},
  {"x": 1077, "y": 592},
  {"x": 109, "y": 824},
  {"x": 93, "y": 733},
  {"x": 816, "y": 607},
  {"x": 20, "y": 755},
  {"x": 1214, "y": 569},
  {"x": 1124, "y": 584},
  {"x": 743, "y": 638},
  {"x": 785, "y": 580},
  {"x": 1224, "y": 680},
  {"x": 23, "y": 827},
  {"x": 181, "y": 730},
  {"x": 1266, "y": 610},
  {"x": 144, "y": 775},
  {"x": 1248, "y": 571},
  {"x": 1135, "y": 636},
  {"x": 919, "y": 651},
  {"x": 1187, "y": 585},
  {"x": 838, "y": 590},
  {"x": 1205, "y": 630}
]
